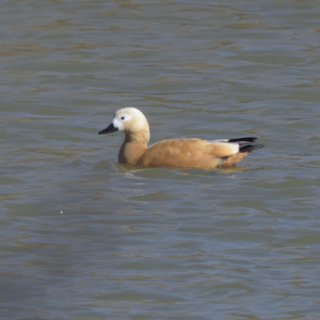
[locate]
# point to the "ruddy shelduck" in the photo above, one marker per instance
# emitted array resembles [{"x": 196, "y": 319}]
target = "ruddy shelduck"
[{"x": 183, "y": 153}]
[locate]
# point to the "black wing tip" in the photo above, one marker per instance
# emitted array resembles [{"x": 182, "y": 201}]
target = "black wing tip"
[
  {"x": 247, "y": 139},
  {"x": 247, "y": 143}
]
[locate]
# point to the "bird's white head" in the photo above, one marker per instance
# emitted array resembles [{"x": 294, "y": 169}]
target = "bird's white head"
[{"x": 131, "y": 121}]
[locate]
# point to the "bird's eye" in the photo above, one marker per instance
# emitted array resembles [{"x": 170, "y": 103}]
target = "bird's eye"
[{"x": 122, "y": 118}]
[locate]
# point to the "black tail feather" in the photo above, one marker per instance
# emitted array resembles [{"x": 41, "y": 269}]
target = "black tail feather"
[{"x": 249, "y": 147}]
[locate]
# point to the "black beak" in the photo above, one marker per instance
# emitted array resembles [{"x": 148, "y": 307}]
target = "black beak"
[{"x": 111, "y": 128}]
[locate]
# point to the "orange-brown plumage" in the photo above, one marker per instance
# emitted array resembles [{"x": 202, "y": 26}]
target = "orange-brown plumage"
[{"x": 184, "y": 153}]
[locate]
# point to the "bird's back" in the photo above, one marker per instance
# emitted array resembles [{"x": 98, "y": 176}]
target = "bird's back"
[{"x": 188, "y": 153}]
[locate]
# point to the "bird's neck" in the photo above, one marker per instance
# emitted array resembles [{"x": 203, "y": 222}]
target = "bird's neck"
[
  {"x": 139, "y": 137},
  {"x": 133, "y": 147}
]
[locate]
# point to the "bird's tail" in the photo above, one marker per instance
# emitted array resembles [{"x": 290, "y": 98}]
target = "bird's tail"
[{"x": 246, "y": 144}]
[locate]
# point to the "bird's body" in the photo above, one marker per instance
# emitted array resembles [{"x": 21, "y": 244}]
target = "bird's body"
[{"x": 183, "y": 153}]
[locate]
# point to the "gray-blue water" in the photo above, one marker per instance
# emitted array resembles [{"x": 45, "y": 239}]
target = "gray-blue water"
[{"x": 85, "y": 238}]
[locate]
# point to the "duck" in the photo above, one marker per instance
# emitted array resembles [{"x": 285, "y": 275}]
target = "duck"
[{"x": 181, "y": 153}]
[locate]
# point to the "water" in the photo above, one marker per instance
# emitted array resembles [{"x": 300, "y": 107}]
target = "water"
[{"x": 85, "y": 238}]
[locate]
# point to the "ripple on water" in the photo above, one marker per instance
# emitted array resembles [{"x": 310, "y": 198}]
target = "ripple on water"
[{"x": 85, "y": 238}]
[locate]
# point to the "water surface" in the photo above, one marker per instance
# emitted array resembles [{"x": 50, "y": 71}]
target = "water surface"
[{"x": 85, "y": 238}]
